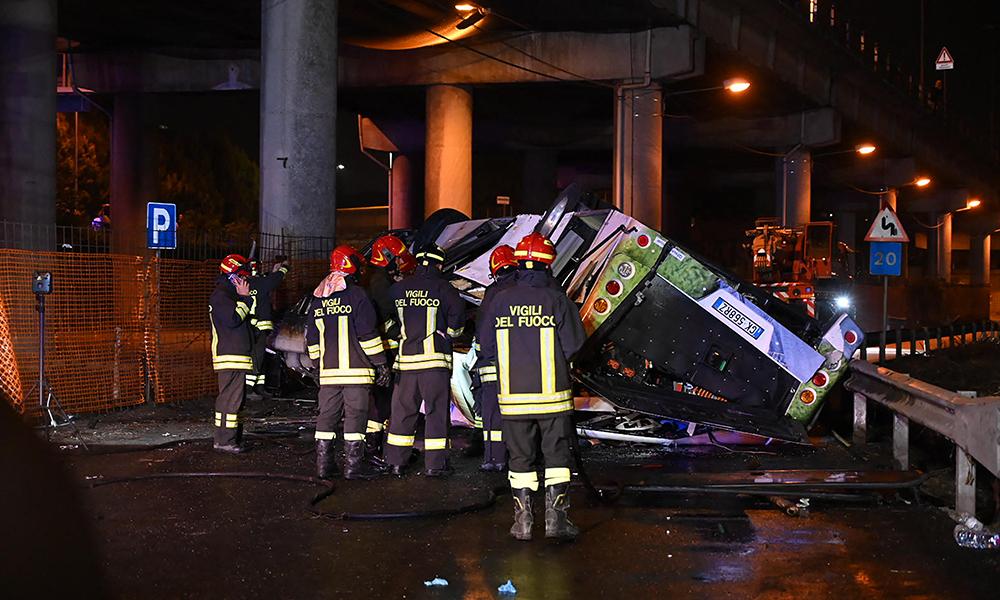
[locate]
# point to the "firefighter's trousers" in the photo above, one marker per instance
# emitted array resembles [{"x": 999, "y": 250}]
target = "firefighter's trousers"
[
  {"x": 528, "y": 440},
  {"x": 228, "y": 403},
  {"x": 381, "y": 402},
  {"x": 494, "y": 448},
  {"x": 347, "y": 402},
  {"x": 259, "y": 374},
  {"x": 433, "y": 387}
]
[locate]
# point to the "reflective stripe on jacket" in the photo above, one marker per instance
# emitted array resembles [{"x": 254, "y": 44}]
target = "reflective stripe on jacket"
[
  {"x": 529, "y": 332},
  {"x": 430, "y": 313},
  {"x": 227, "y": 314},
  {"x": 342, "y": 333}
]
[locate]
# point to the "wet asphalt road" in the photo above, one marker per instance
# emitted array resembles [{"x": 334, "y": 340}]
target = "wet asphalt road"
[{"x": 228, "y": 538}]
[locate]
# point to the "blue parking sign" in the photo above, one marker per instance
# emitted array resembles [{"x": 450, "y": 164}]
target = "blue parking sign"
[
  {"x": 886, "y": 258},
  {"x": 161, "y": 226}
]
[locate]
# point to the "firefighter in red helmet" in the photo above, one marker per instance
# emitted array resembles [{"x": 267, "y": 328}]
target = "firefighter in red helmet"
[
  {"x": 530, "y": 331},
  {"x": 262, "y": 287},
  {"x": 342, "y": 335},
  {"x": 390, "y": 262},
  {"x": 228, "y": 309},
  {"x": 430, "y": 314},
  {"x": 503, "y": 267}
]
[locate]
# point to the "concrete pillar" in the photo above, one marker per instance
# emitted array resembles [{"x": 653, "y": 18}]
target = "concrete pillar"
[
  {"x": 941, "y": 238},
  {"x": 889, "y": 197},
  {"x": 298, "y": 117},
  {"x": 448, "y": 167},
  {"x": 847, "y": 232},
  {"x": 403, "y": 212},
  {"x": 134, "y": 170},
  {"x": 979, "y": 259},
  {"x": 795, "y": 187},
  {"x": 539, "y": 179},
  {"x": 638, "y": 161},
  {"x": 28, "y": 116}
]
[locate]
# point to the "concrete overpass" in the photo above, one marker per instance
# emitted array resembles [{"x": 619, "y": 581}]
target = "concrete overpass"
[{"x": 815, "y": 96}]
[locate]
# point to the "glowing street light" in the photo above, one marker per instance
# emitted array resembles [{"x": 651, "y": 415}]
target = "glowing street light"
[
  {"x": 465, "y": 7},
  {"x": 865, "y": 149},
  {"x": 736, "y": 85},
  {"x": 922, "y": 181},
  {"x": 972, "y": 203}
]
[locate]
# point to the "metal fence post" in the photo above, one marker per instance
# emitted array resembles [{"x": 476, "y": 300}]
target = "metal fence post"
[
  {"x": 901, "y": 441},
  {"x": 860, "y": 435},
  {"x": 965, "y": 482}
]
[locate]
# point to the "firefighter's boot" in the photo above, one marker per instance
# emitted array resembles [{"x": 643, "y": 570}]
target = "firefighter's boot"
[
  {"x": 523, "y": 518},
  {"x": 373, "y": 450},
  {"x": 557, "y": 523},
  {"x": 355, "y": 465},
  {"x": 326, "y": 466}
]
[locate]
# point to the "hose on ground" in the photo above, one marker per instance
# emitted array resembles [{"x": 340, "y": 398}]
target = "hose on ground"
[{"x": 328, "y": 491}]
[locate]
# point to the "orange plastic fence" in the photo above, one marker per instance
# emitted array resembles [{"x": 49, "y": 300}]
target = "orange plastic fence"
[
  {"x": 116, "y": 326},
  {"x": 94, "y": 327}
]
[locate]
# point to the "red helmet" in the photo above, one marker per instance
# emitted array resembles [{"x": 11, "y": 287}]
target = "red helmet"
[
  {"x": 405, "y": 262},
  {"x": 234, "y": 264},
  {"x": 385, "y": 249},
  {"x": 343, "y": 259},
  {"x": 501, "y": 257},
  {"x": 535, "y": 247}
]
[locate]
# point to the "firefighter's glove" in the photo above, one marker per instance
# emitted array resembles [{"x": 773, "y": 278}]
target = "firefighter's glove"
[{"x": 382, "y": 375}]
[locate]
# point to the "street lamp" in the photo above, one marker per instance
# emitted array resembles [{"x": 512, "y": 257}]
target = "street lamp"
[
  {"x": 922, "y": 181},
  {"x": 970, "y": 204},
  {"x": 736, "y": 85},
  {"x": 865, "y": 149}
]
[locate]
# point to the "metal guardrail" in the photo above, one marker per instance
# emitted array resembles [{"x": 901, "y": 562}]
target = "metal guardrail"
[
  {"x": 923, "y": 340},
  {"x": 973, "y": 424}
]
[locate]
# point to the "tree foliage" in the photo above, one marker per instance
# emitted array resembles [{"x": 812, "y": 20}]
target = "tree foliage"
[{"x": 83, "y": 182}]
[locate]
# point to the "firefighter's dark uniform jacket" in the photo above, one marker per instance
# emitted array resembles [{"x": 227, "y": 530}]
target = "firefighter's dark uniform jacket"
[
  {"x": 261, "y": 289},
  {"x": 487, "y": 368},
  {"x": 531, "y": 330},
  {"x": 430, "y": 313},
  {"x": 228, "y": 314},
  {"x": 342, "y": 333},
  {"x": 379, "y": 283}
]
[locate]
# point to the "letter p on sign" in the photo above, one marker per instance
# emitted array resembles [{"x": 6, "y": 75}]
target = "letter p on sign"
[{"x": 161, "y": 226}]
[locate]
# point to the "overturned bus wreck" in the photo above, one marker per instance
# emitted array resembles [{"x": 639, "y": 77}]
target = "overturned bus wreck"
[{"x": 676, "y": 346}]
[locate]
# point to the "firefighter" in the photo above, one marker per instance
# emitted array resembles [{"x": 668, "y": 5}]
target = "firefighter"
[
  {"x": 228, "y": 309},
  {"x": 342, "y": 334},
  {"x": 503, "y": 267},
  {"x": 261, "y": 325},
  {"x": 390, "y": 262},
  {"x": 430, "y": 314},
  {"x": 530, "y": 331}
]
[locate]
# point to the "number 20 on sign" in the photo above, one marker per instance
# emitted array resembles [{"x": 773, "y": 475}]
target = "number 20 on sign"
[{"x": 886, "y": 258}]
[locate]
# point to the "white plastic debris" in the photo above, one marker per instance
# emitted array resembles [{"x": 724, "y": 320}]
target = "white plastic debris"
[
  {"x": 507, "y": 588},
  {"x": 437, "y": 581}
]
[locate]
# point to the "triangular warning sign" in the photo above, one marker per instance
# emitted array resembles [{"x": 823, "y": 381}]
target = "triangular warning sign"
[
  {"x": 944, "y": 60},
  {"x": 887, "y": 228}
]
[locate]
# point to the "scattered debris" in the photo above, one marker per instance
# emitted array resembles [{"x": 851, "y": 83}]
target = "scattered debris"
[
  {"x": 792, "y": 509},
  {"x": 507, "y": 588},
  {"x": 971, "y": 533},
  {"x": 437, "y": 581}
]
